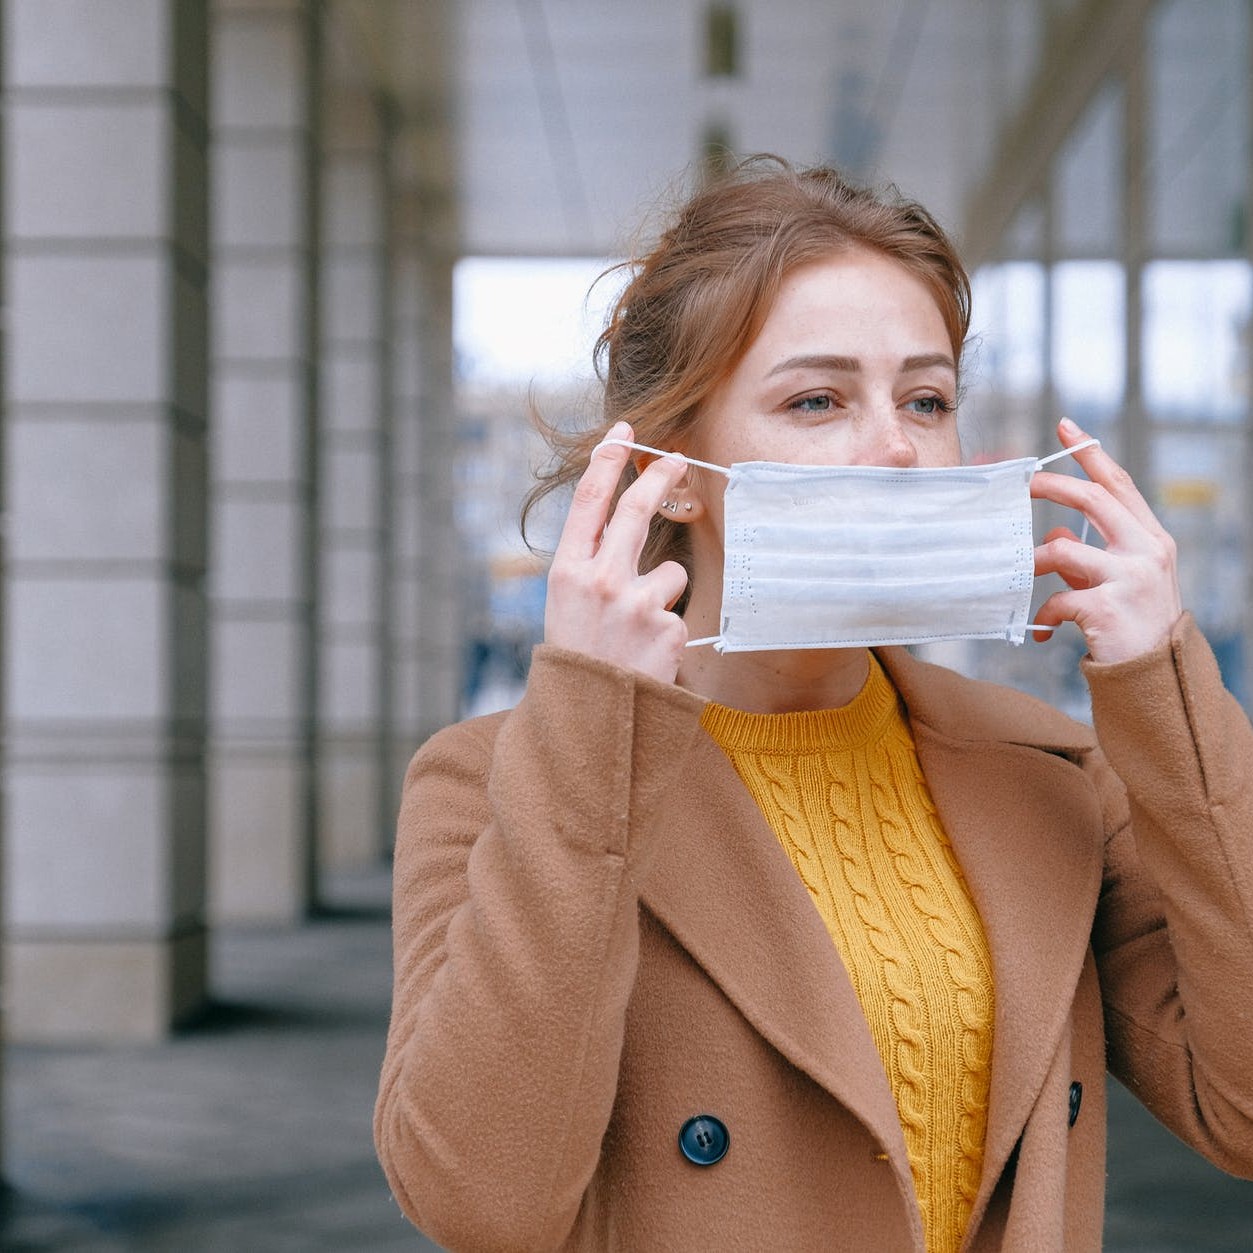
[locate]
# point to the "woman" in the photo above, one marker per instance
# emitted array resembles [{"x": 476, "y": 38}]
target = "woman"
[{"x": 826, "y": 947}]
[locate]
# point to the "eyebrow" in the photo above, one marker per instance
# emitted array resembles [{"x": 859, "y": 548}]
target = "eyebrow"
[{"x": 850, "y": 365}]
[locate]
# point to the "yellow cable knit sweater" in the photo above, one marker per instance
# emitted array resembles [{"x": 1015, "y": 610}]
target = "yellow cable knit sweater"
[{"x": 843, "y": 790}]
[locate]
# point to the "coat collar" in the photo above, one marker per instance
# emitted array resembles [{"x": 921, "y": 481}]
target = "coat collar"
[
  {"x": 1005, "y": 773},
  {"x": 1026, "y": 829},
  {"x": 722, "y": 885},
  {"x": 969, "y": 709}
]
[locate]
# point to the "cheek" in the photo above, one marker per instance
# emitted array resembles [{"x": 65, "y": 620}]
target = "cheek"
[
  {"x": 708, "y": 489},
  {"x": 942, "y": 447}
]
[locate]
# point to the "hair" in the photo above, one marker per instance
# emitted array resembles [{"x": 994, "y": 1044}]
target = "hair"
[{"x": 696, "y": 301}]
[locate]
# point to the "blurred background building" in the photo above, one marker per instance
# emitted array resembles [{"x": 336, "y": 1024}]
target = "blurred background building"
[{"x": 282, "y": 280}]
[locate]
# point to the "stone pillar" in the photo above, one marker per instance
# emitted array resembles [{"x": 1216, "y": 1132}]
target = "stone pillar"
[
  {"x": 426, "y": 618},
  {"x": 263, "y": 590},
  {"x": 407, "y": 324},
  {"x": 4, "y": 355},
  {"x": 1246, "y": 501},
  {"x": 1135, "y": 446},
  {"x": 440, "y": 625},
  {"x": 355, "y": 478},
  {"x": 430, "y": 557},
  {"x": 104, "y": 882}
]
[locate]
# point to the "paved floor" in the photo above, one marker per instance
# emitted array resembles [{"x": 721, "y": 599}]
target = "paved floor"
[{"x": 251, "y": 1132}]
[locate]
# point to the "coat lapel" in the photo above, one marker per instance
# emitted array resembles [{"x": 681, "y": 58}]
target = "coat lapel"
[
  {"x": 1027, "y": 831},
  {"x": 722, "y": 885}
]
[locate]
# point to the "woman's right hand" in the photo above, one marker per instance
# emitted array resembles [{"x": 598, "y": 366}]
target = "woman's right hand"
[{"x": 598, "y": 601}]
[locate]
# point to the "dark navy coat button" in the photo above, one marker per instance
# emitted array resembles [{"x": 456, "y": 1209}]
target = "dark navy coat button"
[
  {"x": 1076, "y": 1099},
  {"x": 704, "y": 1139}
]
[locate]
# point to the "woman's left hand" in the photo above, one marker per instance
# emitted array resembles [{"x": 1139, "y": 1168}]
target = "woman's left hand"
[{"x": 1124, "y": 598}]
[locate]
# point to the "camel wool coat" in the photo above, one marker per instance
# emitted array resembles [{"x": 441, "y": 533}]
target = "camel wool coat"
[{"x": 597, "y": 936}]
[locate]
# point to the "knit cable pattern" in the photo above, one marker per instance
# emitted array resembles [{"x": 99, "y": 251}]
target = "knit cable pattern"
[{"x": 845, "y": 794}]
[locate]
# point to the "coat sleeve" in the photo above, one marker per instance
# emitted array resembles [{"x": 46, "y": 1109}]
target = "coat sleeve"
[
  {"x": 518, "y": 857},
  {"x": 1174, "y": 933}
]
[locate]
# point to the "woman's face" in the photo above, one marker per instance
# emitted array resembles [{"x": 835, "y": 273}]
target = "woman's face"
[{"x": 853, "y": 366}]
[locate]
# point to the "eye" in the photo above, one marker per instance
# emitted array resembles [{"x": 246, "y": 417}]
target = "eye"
[
  {"x": 929, "y": 406},
  {"x": 811, "y": 404}
]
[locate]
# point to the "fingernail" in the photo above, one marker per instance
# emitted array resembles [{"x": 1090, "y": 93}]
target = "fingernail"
[
  {"x": 1070, "y": 428},
  {"x": 617, "y": 431}
]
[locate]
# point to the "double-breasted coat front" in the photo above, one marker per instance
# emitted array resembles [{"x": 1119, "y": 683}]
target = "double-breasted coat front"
[{"x": 597, "y": 936}]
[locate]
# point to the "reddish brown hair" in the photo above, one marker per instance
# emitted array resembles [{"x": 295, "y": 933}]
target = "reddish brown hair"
[{"x": 698, "y": 299}]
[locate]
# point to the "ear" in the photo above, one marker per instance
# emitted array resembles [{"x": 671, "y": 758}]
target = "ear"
[{"x": 685, "y": 502}]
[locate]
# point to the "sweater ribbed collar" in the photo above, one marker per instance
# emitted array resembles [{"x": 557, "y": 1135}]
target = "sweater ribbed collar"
[{"x": 864, "y": 719}]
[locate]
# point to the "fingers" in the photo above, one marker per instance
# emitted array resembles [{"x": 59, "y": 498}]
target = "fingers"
[
  {"x": 1133, "y": 530},
  {"x": 666, "y": 582},
  {"x": 1104, "y": 471},
  {"x": 580, "y": 536},
  {"x": 1106, "y": 514},
  {"x": 1058, "y": 608},
  {"x": 1124, "y": 598},
  {"x": 1124, "y": 603},
  {"x": 1061, "y": 532},
  {"x": 1126, "y": 533},
  {"x": 627, "y": 531},
  {"x": 598, "y": 601},
  {"x": 589, "y": 529},
  {"x": 1080, "y": 565}
]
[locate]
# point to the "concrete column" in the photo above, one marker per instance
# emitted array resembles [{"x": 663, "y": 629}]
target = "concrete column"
[
  {"x": 426, "y": 630},
  {"x": 1049, "y": 409},
  {"x": 1246, "y": 498},
  {"x": 355, "y": 478},
  {"x": 1135, "y": 446},
  {"x": 104, "y": 882},
  {"x": 428, "y": 618},
  {"x": 407, "y": 325},
  {"x": 4, "y": 355},
  {"x": 263, "y": 590},
  {"x": 439, "y": 621}
]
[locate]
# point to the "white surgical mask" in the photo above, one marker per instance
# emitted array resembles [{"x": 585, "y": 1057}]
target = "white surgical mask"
[{"x": 856, "y": 556}]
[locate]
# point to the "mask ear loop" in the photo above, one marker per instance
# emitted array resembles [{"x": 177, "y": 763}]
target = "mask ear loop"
[
  {"x": 1070, "y": 452},
  {"x": 715, "y": 640},
  {"x": 661, "y": 452},
  {"x": 1083, "y": 534}
]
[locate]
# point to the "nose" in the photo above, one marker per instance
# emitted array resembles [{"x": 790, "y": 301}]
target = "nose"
[{"x": 883, "y": 440}]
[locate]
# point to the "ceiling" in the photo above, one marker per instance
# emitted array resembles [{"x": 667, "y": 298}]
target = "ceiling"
[
  {"x": 571, "y": 119},
  {"x": 556, "y": 127},
  {"x": 574, "y": 117}
]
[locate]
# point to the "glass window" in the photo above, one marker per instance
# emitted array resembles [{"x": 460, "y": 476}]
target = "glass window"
[
  {"x": 1199, "y": 479},
  {"x": 1088, "y": 338},
  {"x": 1004, "y": 361},
  {"x": 1004, "y": 368},
  {"x": 1196, "y": 328},
  {"x": 1008, "y": 325}
]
